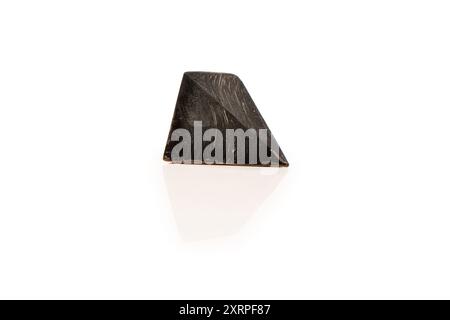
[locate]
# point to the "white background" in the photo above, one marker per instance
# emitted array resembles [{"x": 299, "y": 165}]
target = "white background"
[{"x": 356, "y": 92}]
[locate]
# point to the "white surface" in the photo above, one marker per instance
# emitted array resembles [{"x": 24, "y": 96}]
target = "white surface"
[{"x": 356, "y": 92}]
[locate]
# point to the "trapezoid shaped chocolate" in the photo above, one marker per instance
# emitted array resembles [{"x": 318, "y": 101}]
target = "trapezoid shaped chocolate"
[{"x": 216, "y": 122}]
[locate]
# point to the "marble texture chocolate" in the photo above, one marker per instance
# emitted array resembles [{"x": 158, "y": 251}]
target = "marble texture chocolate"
[{"x": 220, "y": 101}]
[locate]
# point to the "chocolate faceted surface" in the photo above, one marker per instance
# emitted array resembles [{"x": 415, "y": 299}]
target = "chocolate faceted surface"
[{"x": 213, "y": 112}]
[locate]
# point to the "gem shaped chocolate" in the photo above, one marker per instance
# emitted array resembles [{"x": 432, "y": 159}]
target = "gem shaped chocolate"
[{"x": 216, "y": 122}]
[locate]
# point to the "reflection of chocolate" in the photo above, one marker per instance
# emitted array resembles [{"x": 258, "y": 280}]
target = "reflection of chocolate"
[
  {"x": 220, "y": 101},
  {"x": 213, "y": 202}
]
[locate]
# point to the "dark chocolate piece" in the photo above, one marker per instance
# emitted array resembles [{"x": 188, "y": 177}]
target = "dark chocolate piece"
[{"x": 220, "y": 101}]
